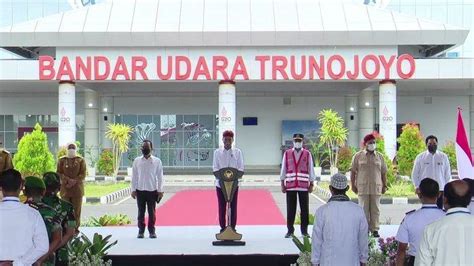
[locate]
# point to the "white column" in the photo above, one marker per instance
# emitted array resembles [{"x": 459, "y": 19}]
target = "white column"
[
  {"x": 227, "y": 108},
  {"x": 91, "y": 123},
  {"x": 106, "y": 118},
  {"x": 366, "y": 113},
  {"x": 66, "y": 113},
  {"x": 352, "y": 120},
  {"x": 388, "y": 115}
]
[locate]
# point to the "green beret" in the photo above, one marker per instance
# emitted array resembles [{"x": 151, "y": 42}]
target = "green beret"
[
  {"x": 34, "y": 182},
  {"x": 51, "y": 179}
]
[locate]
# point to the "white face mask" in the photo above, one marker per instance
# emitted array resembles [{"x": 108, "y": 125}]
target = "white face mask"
[
  {"x": 371, "y": 147},
  {"x": 297, "y": 145},
  {"x": 71, "y": 153}
]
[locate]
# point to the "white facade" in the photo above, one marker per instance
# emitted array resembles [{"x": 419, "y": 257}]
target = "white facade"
[{"x": 268, "y": 47}]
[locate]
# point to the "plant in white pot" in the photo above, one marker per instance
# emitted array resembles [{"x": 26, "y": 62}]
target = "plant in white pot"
[
  {"x": 319, "y": 153},
  {"x": 132, "y": 154},
  {"x": 91, "y": 159},
  {"x": 333, "y": 134}
]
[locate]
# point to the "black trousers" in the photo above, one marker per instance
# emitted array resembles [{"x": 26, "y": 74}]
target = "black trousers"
[
  {"x": 146, "y": 199},
  {"x": 291, "y": 199},
  {"x": 439, "y": 202},
  {"x": 410, "y": 261},
  {"x": 223, "y": 208}
]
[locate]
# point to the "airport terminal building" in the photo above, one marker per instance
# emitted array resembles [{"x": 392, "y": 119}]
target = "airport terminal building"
[{"x": 180, "y": 72}]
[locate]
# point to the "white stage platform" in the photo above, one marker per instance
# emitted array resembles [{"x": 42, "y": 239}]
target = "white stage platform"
[{"x": 197, "y": 240}]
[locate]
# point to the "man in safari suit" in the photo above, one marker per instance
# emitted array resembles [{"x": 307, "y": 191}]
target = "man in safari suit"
[{"x": 72, "y": 171}]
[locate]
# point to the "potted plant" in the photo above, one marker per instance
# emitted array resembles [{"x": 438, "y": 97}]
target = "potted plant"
[
  {"x": 319, "y": 154},
  {"x": 333, "y": 134},
  {"x": 91, "y": 160},
  {"x": 304, "y": 258},
  {"x": 120, "y": 135},
  {"x": 132, "y": 154}
]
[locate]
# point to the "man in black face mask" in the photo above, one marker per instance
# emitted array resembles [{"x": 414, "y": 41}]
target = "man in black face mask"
[
  {"x": 432, "y": 164},
  {"x": 147, "y": 187}
]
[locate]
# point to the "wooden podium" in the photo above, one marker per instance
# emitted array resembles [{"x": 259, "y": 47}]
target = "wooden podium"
[{"x": 229, "y": 180}]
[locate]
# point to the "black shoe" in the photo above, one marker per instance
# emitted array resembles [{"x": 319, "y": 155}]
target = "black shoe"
[
  {"x": 152, "y": 235},
  {"x": 141, "y": 235},
  {"x": 375, "y": 234},
  {"x": 222, "y": 230},
  {"x": 289, "y": 235},
  {"x": 305, "y": 234}
]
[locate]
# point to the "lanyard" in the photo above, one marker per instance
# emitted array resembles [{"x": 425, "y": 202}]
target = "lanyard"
[{"x": 458, "y": 212}]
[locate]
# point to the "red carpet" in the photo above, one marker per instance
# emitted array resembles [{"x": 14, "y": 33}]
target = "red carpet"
[{"x": 199, "y": 207}]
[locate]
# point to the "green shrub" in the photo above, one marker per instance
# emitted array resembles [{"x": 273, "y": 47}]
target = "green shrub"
[
  {"x": 105, "y": 164},
  {"x": 411, "y": 144},
  {"x": 310, "y": 219},
  {"x": 344, "y": 159},
  {"x": 33, "y": 156},
  {"x": 401, "y": 189},
  {"x": 450, "y": 151},
  {"x": 380, "y": 147},
  {"x": 108, "y": 220}
]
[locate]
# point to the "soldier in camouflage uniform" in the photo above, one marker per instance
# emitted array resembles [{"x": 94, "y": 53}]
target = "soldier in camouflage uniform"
[
  {"x": 34, "y": 190},
  {"x": 66, "y": 215},
  {"x": 72, "y": 171}
]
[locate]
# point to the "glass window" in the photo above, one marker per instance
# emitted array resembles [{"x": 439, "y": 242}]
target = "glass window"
[
  {"x": 176, "y": 139},
  {"x": 53, "y": 142},
  {"x": 11, "y": 124},
  {"x": 118, "y": 119},
  {"x": 80, "y": 122},
  {"x": 48, "y": 120},
  {"x": 157, "y": 121},
  {"x": 80, "y": 138},
  {"x": 206, "y": 156},
  {"x": 207, "y": 121},
  {"x": 2, "y": 140},
  {"x": 11, "y": 140},
  {"x": 164, "y": 139},
  {"x": 176, "y": 157},
  {"x": 130, "y": 120},
  {"x": 156, "y": 140},
  {"x": 2, "y": 122},
  {"x": 191, "y": 157},
  {"x": 163, "y": 154},
  {"x": 147, "y": 119},
  {"x": 206, "y": 139}
]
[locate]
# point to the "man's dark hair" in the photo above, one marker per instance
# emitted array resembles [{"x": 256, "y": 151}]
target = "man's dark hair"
[
  {"x": 149, "y": 141},
  {"x": 470, "y": 182},
  {"x": 429, "y": 188},
  {"x": 454, "y": 199},
  {"x": 10, "y": 180},
  {"x": 431, "y": 137},
  {"x": 336, "y": 191}
]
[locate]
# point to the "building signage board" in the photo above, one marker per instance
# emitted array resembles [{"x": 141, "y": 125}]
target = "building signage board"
[{"x": 221, "y": 67}]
